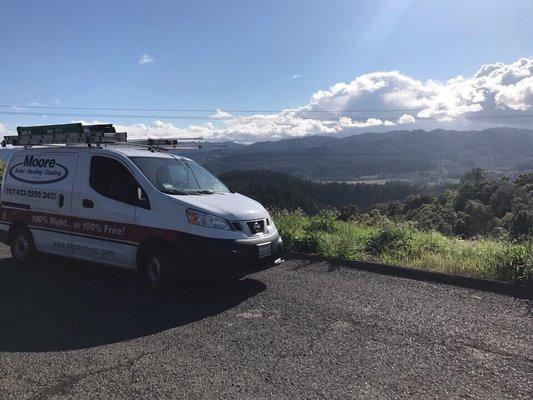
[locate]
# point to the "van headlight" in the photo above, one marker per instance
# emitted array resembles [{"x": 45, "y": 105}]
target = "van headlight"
[{"x": 207, "y": 220}]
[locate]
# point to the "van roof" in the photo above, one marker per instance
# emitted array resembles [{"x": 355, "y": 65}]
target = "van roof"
[
  {"x": 142, "y": 152},
  {"x": 127, "y": 151}
]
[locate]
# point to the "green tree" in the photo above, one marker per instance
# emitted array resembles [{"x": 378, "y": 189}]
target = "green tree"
[
  {"x": 501, "y": 200},
  {"x": 478, "y": 217},
  {"x": 475, "y": 177}
]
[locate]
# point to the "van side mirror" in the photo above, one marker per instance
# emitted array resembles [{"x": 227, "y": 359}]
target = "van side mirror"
[
  {"x": 141, "y": 195},
  {"x": 142, "y": 198}
]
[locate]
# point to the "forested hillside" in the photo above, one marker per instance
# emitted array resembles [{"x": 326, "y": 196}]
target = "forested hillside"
[
  {"x": 417, "y": 155},
  {"x": 482, "y": 228},
  {"x": 478, "y": 206},
  {"x": 500, "y": 208},
  {"x": 282, "y": 191}
]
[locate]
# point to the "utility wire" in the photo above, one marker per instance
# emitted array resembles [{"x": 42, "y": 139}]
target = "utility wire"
[
  {"x": 355, "y": 110},
  {"x": 223, "y": 118}
]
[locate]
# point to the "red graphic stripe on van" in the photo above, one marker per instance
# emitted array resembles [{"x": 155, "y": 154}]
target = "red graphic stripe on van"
[
  {"x": 16, "y": 205},
  {"x": 91, "y": 227}
]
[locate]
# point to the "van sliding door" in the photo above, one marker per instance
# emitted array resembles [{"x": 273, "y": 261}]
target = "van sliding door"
[{"x": 104, "y": 204}]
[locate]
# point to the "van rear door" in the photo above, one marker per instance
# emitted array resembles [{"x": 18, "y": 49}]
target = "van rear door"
[
  {"x": 38, "y": 191},
  {"x": 105, "y": 208}
]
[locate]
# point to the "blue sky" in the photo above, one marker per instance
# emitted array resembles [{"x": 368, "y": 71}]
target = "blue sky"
[{"x": 263, "y": 55}]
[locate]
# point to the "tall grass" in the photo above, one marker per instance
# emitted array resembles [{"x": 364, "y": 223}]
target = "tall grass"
[{"x": 400, "y": 243}]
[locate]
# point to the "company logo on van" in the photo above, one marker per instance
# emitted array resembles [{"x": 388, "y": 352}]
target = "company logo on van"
[{"x": 38, "y": 170}]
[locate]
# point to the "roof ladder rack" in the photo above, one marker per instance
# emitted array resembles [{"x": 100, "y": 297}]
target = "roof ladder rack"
[
  {"x": 64, "y": 134},
  {"x": 77, "y": 133},
  {"x": 167, "y": 143}
]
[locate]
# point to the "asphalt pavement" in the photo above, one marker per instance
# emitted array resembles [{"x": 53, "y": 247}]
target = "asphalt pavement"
[{"x": 305, "y": 329}]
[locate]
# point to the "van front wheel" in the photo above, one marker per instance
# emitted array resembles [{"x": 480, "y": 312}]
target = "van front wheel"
[
  {"x": 23, "y": 248},
  {"x": 160, "y": 271}
]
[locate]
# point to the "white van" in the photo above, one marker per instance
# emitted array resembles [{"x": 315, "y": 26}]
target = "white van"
[{"x": 133, "y": 207}]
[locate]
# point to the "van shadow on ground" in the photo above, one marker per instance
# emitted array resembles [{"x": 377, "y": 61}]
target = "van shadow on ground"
[{"x": 63, "y": 305}]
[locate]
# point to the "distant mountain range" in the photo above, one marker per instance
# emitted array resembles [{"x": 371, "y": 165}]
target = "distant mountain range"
[
  {"x": 417, "y": 155},
  {"x": 414, "y": 155}
]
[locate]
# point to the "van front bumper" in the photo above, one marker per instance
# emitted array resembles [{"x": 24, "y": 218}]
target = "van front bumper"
[{"x": 226, "y": 258}]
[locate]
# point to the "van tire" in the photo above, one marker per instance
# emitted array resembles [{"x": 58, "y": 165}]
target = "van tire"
[
  {"x": 23, "y": 248},
  {"x": 159, "y": 268}
]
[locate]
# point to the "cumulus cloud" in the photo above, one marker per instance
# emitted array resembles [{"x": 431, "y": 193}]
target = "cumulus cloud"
[
  {"x": 518, "y": 96},
  {"x": 377, "y": 101},
  {"x": 254, "y": 128},
  {"x": 406, "y": 119},
  {"x": 221, "y": 114},
  {"x": 242, "y": 129},
  {"x": 145, "y": 59},
  {"x": 159, "y": 129},
  {"x": 347, "y": 122},
  {"x": 495, "y": 86}
]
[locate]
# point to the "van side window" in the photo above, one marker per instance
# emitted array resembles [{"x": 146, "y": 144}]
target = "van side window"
[{"x": 112, "y": 179}]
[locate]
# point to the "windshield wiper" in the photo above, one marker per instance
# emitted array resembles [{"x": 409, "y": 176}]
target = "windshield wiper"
[
  {"x": 175, "y": 191},
  {"x": 203, "y": 191}
]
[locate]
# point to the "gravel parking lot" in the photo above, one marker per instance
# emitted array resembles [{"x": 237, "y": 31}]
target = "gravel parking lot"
[{"x": 305, "y": 329}]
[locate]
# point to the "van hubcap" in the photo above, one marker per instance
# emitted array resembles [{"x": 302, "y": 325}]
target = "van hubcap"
[
  {"x": 21, "y": 247},
  {"x": 154, "y": 271}
]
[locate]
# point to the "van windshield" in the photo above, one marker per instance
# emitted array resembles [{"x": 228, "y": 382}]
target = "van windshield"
[{"x": 176, "y": 176}]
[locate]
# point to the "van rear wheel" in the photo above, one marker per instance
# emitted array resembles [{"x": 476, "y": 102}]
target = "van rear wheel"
[
  {"x": 160, "y": 271},
  {"x": 23, "y": 248}
]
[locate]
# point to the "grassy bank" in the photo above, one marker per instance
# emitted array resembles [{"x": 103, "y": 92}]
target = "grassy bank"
[{"x": 402, "y": 244}]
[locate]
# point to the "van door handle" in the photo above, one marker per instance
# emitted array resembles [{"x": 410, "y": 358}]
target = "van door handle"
[{"x": 87, "y": 203}]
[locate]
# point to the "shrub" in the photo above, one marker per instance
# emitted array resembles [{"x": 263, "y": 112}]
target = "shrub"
[
  {"x": 515, "y": 263},
  {"x": 390, "y": 238},
  {"x": 325, "y": 221},
  {"x": 303, "y": 242},
  {"x": 402, "y": 244}
]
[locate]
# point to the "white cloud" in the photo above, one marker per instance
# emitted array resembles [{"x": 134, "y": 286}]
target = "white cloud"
[
  {"x": 221, "y": 114},
  {"x": 406, "y": 119},
  {"x": 494, "y": 87},
  {"x": 146, "y": 59},
  {"x": 498, "y": 88},
  {"x": 518, "y": 96},
  {"x": 297, "y": 76},
  {"x": 347, "y": 122},
  {"x": 163, "y": 129},
  {"x": 242, "y": 129}
]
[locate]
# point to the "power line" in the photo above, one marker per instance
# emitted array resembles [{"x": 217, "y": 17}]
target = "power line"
[
  {"x": 355, "y": 110},
  {"x": 98, "y": 115},
  {"x": 233, "y": 117}
]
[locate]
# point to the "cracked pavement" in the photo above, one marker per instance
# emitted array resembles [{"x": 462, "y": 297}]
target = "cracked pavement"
[{"x": 305, "y": 329}]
